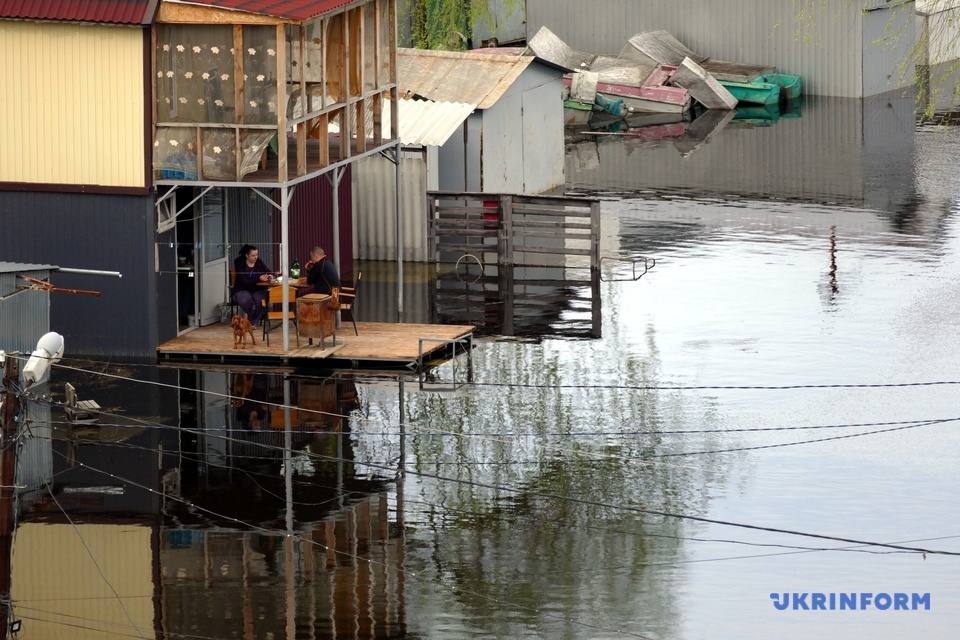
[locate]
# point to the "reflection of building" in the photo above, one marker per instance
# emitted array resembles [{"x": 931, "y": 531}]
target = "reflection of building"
[
  {"x": 176, "y": 551},
  {"x": 59, "y": 592},
  {"x": 345, "y": 578}
]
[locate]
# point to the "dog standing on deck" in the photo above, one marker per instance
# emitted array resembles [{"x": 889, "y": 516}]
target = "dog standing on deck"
[{"x": 242, "y": 327}]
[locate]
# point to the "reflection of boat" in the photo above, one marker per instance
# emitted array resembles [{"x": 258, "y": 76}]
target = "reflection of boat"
[
  {"x": 766, "y": 114},
  {"x": 753, "y": 93}
]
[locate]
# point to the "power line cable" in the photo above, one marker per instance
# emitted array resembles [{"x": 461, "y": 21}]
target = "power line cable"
[
  {"x": 629, "y": 508},
  {"x": 344, "y": 553}
]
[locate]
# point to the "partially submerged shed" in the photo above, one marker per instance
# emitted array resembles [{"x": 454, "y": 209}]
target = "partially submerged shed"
[
  {"x": 513, "y": 141},
  {"x": 24, "y": 312}
]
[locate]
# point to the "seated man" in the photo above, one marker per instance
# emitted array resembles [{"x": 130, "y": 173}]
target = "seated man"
[{"x": 322, "y": 276}]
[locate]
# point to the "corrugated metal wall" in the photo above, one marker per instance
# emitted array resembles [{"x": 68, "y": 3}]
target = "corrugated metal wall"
[
  {"x": 374, "y": 197},
  {"x": 821, "y": 41},
  {"x": 72, "y": 104},
  {"x": 311, "y": 221},
  {"x": 93, "y": 231},
  {"x": 250, "y": 222},
  {"x": 24, "y": 317},
  {"x": 35, "y": 456},
  {"x": 377, "y": 300}
]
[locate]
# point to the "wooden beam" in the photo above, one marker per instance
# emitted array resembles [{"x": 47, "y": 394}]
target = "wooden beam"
[
  {"x": 239, "y": 85},
  {"x": 280, "y": 102},
  {"x": 181, "y": 13},
  {"x": 346, "y": 127},
  {"x": 376, "y": 106},
  {"x": 304, "y": 105},
  {"x": 394, "y": 92},
  {"x": 378, "y": 38},
  {"x": 323, "y": 137},
  {"x": 360, "y": 33}
]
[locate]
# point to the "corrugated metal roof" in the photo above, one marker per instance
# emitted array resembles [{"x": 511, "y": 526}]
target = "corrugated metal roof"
[
  {"x": 451, "y": 76},
  {"x": 427, "y": 122},
  {"x": 292, "y": 9},
  {"x": 105, "y": 11},
  {"x": 18, "y": 267}
]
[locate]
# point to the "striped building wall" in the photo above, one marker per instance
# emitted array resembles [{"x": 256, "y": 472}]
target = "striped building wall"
[{"x": 72, "y": 105}]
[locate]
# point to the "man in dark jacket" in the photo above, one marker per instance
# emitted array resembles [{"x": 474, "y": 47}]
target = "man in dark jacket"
[{"x": 322, "y": 276}]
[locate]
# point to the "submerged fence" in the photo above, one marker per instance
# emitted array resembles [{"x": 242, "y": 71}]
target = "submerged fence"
[{"x": 521, "y": 265}]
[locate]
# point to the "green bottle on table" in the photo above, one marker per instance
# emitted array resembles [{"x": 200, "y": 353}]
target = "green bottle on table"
[{"x": 295, "y": 269}]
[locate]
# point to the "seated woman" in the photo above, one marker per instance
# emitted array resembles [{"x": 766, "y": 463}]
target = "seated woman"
[
  {"x": 322, "y": 276},
  {"x": 249, "y": 272}
]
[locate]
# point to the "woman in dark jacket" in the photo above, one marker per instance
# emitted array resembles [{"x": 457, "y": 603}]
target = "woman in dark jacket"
[{"x": 248, "y": 272}]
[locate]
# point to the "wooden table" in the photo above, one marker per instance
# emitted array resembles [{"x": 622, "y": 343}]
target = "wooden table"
[{"x": 316, "y": 318}]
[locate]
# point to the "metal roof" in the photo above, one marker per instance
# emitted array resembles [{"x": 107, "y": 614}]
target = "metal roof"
[
  {"x": 18, "y": 267},
  {"x": 452, "y": 76},
  {"x": 104, "y": 11},
  {"x": 429, "y": 123},
  {"x": 291, "y": 9}
]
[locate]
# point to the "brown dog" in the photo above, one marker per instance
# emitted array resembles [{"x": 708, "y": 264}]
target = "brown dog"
[{"x": 242, "y": 327}]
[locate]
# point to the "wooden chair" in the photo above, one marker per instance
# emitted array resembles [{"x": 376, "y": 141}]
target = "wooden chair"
[
  {"x": 274, "y": 304},
  {"x": 348, "y": 300}
]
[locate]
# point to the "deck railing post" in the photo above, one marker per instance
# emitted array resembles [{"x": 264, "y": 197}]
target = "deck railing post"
[
  {"x": 505, "y": 248},
  {"x": 594, "y": 237}
]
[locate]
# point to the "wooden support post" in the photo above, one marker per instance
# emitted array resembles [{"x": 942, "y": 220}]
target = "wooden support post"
[
  {"x": 377, "y": 38},
  {"x": 595, "y": 236},
  {"x": 324, "y": 93},
  {"x": 323, "y": 137},
  {"x": 361, "y": 80},
  {"x": 199, "y": 151},
  {"x": 505, "y": 232},
  {"x": 376, "y": 107},
  {"x": 304, "y": 105},
  {"x": 282, "y": 122},
  {"x": 346, "y": 126},
  {"x": 239, "y": 84},
  {"x": 8, "y": 467},
  {"x": 394, "y": 92}
]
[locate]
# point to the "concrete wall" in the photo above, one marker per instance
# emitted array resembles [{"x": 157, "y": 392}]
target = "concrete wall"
[
  {"x": 110, "y": 232},
  {"x": 823, "y": 42}
]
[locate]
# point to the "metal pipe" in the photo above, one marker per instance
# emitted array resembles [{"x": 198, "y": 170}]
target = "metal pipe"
[
  {"x": 337, "y": 176},
  {"x": 399, "y": 241},
  {"x": 284, "y": 262},
  {"x": 91, "y": 272}
]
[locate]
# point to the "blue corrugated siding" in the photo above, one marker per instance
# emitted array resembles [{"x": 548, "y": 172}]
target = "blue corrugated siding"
[{"x": 94, "y": 231}]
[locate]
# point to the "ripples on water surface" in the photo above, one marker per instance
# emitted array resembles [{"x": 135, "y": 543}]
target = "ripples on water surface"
[{"x": 823, "y": 249}]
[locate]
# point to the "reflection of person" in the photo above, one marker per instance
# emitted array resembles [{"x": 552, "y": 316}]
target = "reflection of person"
[
  {"x": 322, "y": 276},
  {"x": 251, "y": 412},
  {"x": 248, "y": 272}
]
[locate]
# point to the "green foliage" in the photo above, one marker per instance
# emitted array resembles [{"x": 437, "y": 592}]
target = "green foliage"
[{"x": 448, "y": 24}]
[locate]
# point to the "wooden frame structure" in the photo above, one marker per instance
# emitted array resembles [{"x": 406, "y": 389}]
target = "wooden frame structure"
[{"x": 248, "y": 100}]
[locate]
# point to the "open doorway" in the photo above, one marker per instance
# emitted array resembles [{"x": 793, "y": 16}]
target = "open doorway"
[{"x": 202, "y": 261}]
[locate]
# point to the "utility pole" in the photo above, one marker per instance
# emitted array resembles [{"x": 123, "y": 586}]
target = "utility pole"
[{"x": 8, "y": 466}]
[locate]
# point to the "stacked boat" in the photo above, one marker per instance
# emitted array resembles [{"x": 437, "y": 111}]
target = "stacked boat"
[{"x": 657, "y": 74}]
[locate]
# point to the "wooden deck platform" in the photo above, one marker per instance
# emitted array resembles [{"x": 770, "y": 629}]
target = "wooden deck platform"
[{"x": 380, "y": 344}]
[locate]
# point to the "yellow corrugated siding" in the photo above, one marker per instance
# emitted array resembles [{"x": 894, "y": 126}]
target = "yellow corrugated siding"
[
  {"x": 71, "y": 104},
  {"x": 59, "y": 591}
]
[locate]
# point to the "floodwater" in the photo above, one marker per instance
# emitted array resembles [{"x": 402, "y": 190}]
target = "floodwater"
[{"x": 817, "y": 250}]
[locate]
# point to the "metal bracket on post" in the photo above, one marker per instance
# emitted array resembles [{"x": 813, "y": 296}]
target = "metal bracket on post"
[
  {"x": 454, "y": 385},
  {"x": 648, "y": 264}
]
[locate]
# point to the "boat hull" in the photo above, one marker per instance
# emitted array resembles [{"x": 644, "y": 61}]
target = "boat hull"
[
  {"x": 791, "y": 86},
  {"x": 759, "y": 93}
]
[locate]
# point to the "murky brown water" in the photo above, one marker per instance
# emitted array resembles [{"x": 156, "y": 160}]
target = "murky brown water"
[{"x": 819, "y": 249}]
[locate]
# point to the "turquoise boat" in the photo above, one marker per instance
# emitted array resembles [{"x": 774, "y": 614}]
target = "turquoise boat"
[
  {"x": 791, "y": 86},
  {"x": 756, "y": 92}
]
